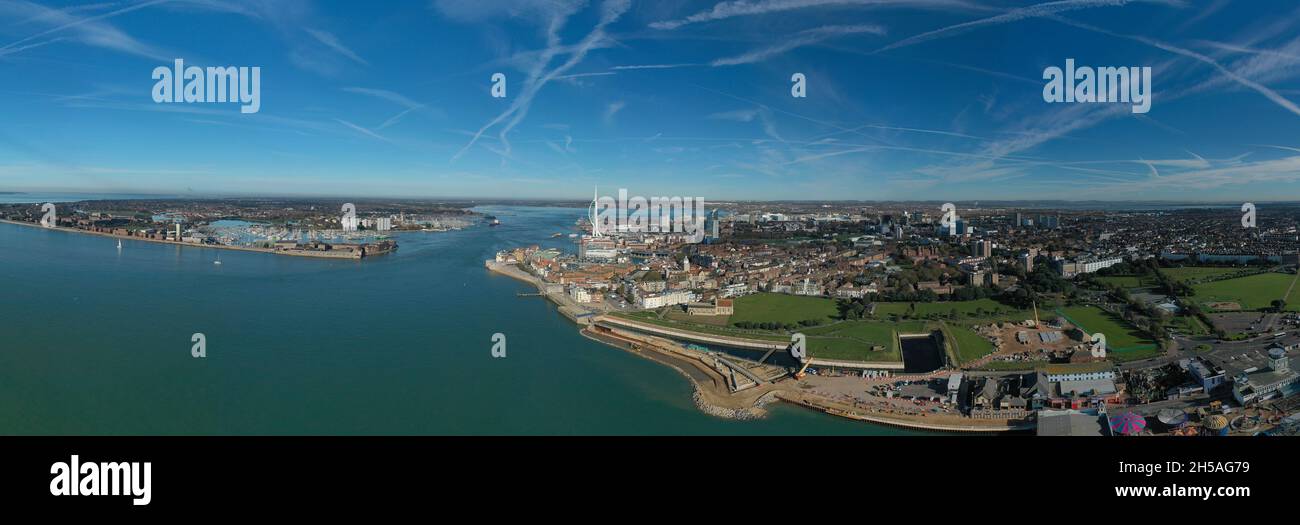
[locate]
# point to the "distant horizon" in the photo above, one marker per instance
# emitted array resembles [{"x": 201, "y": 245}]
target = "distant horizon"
[{"x": 363, "y": 198}]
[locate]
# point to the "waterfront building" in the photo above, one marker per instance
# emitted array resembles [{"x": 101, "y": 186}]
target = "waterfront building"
[
  {"x": 1088, "y": 422},
  {"x": 580, "y": 294},
  {"x": 1279, "y": 380},
  {"x": 1079, "y": 372},
  {"x": 670, "y": 298},
  {"x": 597, "y": 249}
]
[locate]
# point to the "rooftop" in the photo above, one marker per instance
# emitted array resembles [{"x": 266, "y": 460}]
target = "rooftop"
[
  {"x": 1078, "y": 368},
  {"x": 1070, "y": 423}
]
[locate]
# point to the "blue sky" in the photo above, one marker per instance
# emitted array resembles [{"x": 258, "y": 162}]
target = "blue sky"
[{"x": 906, "y": 99}]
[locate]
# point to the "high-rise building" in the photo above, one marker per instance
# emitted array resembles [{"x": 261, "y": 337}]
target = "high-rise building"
[{"x": 711, "y": 225}]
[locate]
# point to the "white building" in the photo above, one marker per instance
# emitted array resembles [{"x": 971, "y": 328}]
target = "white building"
[
  {"x": 806, "y": 287},
  {"x": 580, "y": 294},
  {"x": 1080, "y": 372},
  {"x": 666, "y": 299},
  {"x": 735, "y": 290}
]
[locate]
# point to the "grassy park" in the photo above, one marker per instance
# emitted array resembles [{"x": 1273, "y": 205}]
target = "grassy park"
[
  {"x": 1198, "y": 273},
  {"x": 1255, "y": 292},
  {"x": 853, "y": 341},
  {"x": 781, "y": 308},
  {"x": 1119, "y": 334},
  {"x": 967, "y": 344},
  {"x": 1128, "y": 281},
  {"x": 849, "y": 340}
]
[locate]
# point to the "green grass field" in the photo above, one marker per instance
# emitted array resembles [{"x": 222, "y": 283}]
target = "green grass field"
[
  {"x": 845, "y": 340},
  {"x": 853, "y": 340},
  {"x": 1119, "y": 334},
  {"x": 1198, "y": 272},
  {"x": 1252, "y": 293},
  {"x": 1190, "y": 325},
  {"x": 782, "y": 308},
  {"x": 967, "y": 308},
  {"x": 653, "y": 318},
  {"x": 969, "y": 345},
  {"x": 1128, "y": 281}
]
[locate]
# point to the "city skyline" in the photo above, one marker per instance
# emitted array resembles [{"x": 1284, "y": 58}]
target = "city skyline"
[{"x": 917, "y": 100}]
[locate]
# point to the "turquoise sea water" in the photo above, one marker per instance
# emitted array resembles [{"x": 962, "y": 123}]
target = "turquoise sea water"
[{"x": 97, "y": 341}]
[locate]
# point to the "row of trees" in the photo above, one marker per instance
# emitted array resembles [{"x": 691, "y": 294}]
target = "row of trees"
[{"x": 771, "y": 325}]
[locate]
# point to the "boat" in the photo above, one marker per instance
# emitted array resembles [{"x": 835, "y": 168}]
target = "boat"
[
  {"x": 119, "y": 244},
  {"x": 218, "y": 261},
  {"x": 553, "y": 236},
  {"x": 494, "y": 222}
]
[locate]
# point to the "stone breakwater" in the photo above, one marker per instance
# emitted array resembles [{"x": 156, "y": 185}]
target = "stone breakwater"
[{"x": 757, "y": 411}]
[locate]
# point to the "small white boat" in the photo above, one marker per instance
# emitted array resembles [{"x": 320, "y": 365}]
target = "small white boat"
[
  {"x": 218, "y": 261},
  {"x": 119, "y": 244}
]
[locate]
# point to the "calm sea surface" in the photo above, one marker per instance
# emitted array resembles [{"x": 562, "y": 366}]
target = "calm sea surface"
[{"x": 97, "y": 341}]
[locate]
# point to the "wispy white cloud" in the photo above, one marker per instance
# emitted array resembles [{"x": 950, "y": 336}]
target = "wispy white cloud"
[
  {"x": 1015, "y": 15},
  {"x": 391, "y": 96},
  {"x": 480, "y": 10},
  {"x": 739, "y": 115},
  {"x": 611, "y": 110},
  {"x": 362, "y": 130},
  {"x": 409, "y": 106},
  {"x": 1219, "y": 177},
  {"x": 584, "y": 75},
  {"x": 395, "y": 118},
  {"x": 739, "y": 8},
  {"x": 332, "y": 42},
  {"x": 91, "y": 30},
  {"x": 653, "y": 66},
  {"x": 1254, "y": 51},
  {"x": 538, "y": 76},
  {"x": 803, "y": 38},
  {"x": 1228, "y": 73}
]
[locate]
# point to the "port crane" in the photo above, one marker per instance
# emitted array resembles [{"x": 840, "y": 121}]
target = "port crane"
[{"x": 800, "y": 374}]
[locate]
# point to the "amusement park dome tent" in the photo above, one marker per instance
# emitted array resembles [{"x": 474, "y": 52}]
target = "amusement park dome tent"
[{"x": 1128, "y": 423}]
